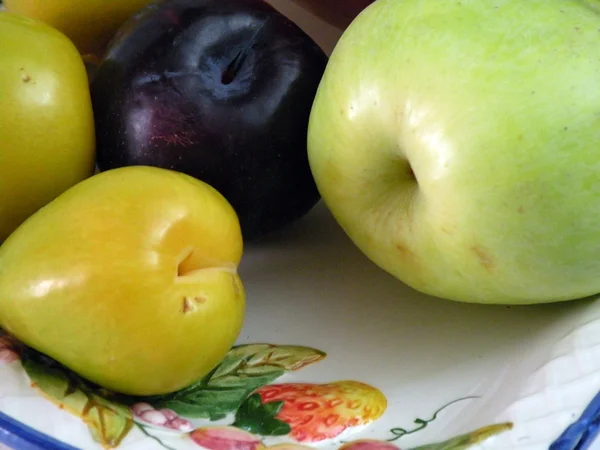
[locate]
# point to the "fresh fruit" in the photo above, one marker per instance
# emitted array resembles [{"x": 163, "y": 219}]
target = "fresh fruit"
[
  {"x": 221, "y": 91},
  {"x": 316, "y": 412},
  {"x": 339, "y": 13},
  {"x": 90, "y": 24},
  {"x": 461, "y": 155},
  {"x": 46, "y": 127},
  {"x": 129, "y": 279}
]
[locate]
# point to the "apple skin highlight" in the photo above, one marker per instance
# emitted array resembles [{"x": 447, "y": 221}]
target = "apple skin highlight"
[{"x": 497, "y": 117}]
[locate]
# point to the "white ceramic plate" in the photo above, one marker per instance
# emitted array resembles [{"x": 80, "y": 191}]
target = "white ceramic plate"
[
  {"x": 332, "y": 315},
  {"x": 335, "y": 353}
]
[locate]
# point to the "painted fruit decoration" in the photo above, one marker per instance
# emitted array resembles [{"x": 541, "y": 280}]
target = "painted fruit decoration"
[
  {"x": 230, "y": 438},
  {"x": 317, "y": 412},
  {"x": 221, "y": 91}
]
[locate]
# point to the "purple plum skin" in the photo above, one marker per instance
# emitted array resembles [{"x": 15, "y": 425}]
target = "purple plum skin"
[{"x": 219, "y": 90}]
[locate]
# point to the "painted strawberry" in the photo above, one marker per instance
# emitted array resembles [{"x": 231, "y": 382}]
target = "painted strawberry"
[{"x": 317, "y": 412}]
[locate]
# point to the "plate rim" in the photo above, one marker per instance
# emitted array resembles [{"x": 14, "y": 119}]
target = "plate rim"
[
  {"x": 18, "y": 436},
  {"x": 581, "y": 434}
]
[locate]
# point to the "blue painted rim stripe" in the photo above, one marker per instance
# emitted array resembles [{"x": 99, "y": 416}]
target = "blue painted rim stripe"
[
  {"x": 580, "y": 435},
  {"x": 583, "y": 432},
  {"x": 17, "y": 436}
]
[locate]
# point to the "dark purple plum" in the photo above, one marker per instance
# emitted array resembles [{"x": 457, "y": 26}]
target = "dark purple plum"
[{"x": 219, "y": 90}]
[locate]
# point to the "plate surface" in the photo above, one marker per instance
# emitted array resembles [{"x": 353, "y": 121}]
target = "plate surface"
[
  {"x": 416, "y": 370},
  {"x": 335, "y": 353}
]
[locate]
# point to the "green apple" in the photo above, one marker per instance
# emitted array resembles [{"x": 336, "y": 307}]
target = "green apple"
[
  {"x": 129, "y": 279},
  {"x": 47, "y": 136},
  {"x": 457, "y": 143}
]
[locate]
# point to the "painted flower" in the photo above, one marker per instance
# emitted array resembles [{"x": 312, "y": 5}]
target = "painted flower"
[
  {"x": 316, "y": 412},
  {"x": 163, "y": 418},
  {"x": 369, "y": 444},
  {"x": 7, "y": 350},
  {"x": 225, "y": 438}
]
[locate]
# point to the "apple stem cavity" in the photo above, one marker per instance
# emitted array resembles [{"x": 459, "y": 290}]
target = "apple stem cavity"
[
  {"x": 235, "y": 65},
  {"x": 411, "y": 172},
  {"x": 184, "y": 261}
]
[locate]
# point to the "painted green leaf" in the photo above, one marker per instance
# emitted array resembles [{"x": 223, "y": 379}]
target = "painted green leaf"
[
  {"x": 260, "y": 418},
  {"x": 286, "y": 357},
  {"x": 109, "y": 422},
  {"x": 242, "y": 371},
  {"x": 206, "y": 402},
  {"x": 468, "y": 440}
]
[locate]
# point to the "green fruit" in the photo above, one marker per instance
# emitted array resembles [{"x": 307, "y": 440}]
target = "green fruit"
[
  {"x": 129, "y": 279},
  {"x": 90, "y": 24},
  {"x": 47, "y": 138},
  {"x": 458, "y": 145}
]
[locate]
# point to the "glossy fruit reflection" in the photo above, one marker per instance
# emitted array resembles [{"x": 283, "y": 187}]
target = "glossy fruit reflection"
[
  {"x": 90, "y": 24},
  {"x": 129, "y": 279},
  {"x": 46, "y": 122},
  {"x": 461, "y": 155},
  {"x": 221, "y": 91}
]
